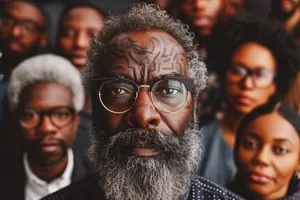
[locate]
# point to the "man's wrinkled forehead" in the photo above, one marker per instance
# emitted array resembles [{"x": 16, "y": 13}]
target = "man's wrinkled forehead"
[{"x": 146, "y": 55}]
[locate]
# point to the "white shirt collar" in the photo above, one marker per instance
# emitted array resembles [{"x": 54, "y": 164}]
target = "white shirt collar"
[{"x": 36, "y": 188}]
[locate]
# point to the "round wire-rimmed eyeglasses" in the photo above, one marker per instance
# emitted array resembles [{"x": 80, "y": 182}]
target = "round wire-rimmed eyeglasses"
[{"x": 118, "y": 95}]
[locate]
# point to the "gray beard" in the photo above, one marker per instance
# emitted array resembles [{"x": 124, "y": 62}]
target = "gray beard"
[{"x": 127, "y": 177}]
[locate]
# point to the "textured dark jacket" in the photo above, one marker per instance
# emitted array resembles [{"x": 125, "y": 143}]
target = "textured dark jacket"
[
  {"x": 87, "y": 189},
  {"x": 292, "y": 194}
]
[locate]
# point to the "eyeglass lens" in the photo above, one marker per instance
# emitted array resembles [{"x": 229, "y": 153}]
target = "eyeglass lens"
[
  {"x": 31, "y": 118},
  {"x": 119, "y": 95},
  {"x": 26, "y": 26},
  {"x": 261, "y": 77}
]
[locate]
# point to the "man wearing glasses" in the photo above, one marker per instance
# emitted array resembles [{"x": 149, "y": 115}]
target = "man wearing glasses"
[
  {"x": 45, "y": 95},
  {"x": 144, "y": 75},
  {"x": 22, "y": 34}
]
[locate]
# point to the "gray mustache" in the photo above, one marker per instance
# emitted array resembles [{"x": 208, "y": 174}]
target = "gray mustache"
[{"x": 166, "y": 142}]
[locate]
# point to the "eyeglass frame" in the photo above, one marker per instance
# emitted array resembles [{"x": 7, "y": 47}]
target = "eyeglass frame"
[
  {"x": 188, "y": 83},
  {"x": 250, "y": 73},
  {"x": 38, "y": 28},
  {"x": 41, "y": 113}
]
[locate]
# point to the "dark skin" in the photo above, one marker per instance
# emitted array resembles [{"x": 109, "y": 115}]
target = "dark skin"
[
  {"x": 145, "y": 57},
  {"x": 267, "y": 158},
  {"x": 80, "y": 24},
  {"x": 46, "y": 135},
  {"x": 243, "y": 97},
  {"x": 20, "y": 33},
  {"x": 23, "y": 11},
  {"x": 202, "y": 14}
]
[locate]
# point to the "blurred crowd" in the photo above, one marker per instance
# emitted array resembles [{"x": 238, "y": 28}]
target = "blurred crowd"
[{"x": 252, "y": 55}]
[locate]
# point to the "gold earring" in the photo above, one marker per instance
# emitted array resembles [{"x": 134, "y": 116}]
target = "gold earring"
[{"x": 297, "y": 174}]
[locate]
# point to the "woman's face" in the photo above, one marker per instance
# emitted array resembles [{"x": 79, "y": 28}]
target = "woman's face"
[
  {"x": 249, "y": 81},
  {"x": 202, "y": 14},
  {"x": 268, "y": 156}
]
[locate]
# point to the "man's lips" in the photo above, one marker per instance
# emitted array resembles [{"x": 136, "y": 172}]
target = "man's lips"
[
  {"x": 15, "y": 46},
  {"x": 79, "y": 59},
  {"x": 258, "y": 177},
  {"x": 201, "y": 21},
  {"x": 79, "y": 55},
  {"x": 50, "y": 147},
  {"x": 145, "y": 152}
]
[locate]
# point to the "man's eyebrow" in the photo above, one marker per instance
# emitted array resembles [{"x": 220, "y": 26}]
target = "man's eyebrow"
[
  {"x": 117, "y": 75},
  {"x": 24, "y": 20},
  {"x": 171, "y": 75}
]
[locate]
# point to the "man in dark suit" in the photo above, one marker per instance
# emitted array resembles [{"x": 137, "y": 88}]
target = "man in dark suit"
[
  {"x": 45, "y": 96},
  {"x": 22, "y": 34},
  {"x": 78, "y": 23},
  {"x": 144, "y": 75}
]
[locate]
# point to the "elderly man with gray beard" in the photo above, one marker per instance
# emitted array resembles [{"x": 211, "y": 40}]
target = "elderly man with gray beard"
[{"x": 144, "y": 75}]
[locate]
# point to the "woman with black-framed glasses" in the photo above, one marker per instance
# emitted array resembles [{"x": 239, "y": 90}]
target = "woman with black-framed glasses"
[{"x": 256, "y": 62}]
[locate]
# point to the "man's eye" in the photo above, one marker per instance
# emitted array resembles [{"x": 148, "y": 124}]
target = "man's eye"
[
  {"x": 30, "y": 26},
  {"x": 28, "y": 115},
  {"x": 62, "y": 114},
  {"x": 92, "y": 33},
  {"x": 169, "y": 91},
  {"x": 118, "y": 91},
  {"x": 70, "y": 33}
]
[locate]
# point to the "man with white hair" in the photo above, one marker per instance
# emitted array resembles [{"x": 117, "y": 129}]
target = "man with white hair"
[
  {"x": 144, "y": 75},
  {"x": 45, "y": 95}
]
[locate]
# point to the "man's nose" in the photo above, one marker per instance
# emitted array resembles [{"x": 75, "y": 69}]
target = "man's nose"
[
  {"x": 16, "y": 31},
  {"x": 199, "y": 4},
  {"x": 82, "y": 41},
  {"x": 46, "y": 126},
  {"x": 144, "y": 114}
]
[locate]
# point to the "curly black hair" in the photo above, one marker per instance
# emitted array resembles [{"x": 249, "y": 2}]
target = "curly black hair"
[{"x": 253, "y": 27}]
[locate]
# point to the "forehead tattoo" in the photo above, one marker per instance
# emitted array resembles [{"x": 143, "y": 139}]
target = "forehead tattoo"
[{"x": 151, "y": 54}]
